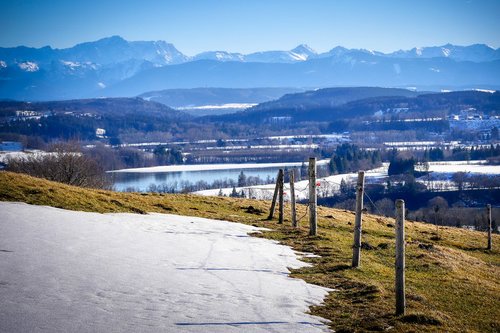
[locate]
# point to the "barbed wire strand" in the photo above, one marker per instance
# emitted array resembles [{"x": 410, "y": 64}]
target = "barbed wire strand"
[
  {"x": 376, "y": 208},
  {"x": 330, "y": 182},
  {"x": 307, "y": 209},
  {"x": 259, "y": 188},
  {"x": 307, "y": 205}
]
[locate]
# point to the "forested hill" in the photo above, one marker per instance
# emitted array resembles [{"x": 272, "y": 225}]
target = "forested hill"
[
  {"x": 331, "y": 97},
  {"x": 95, "y": 106},
  {"x": 79, "y": 119},
  {"x": 324, "y": 110},
  {"x": 341, "y": 103},
  {"x": 215, "y": 96}
]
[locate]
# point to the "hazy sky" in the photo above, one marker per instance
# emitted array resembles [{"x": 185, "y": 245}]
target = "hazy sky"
[{"x": 246, "y": 26}]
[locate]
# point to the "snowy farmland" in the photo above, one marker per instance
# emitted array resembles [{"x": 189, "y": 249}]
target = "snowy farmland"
[
  {"x": 327, "y": 186},
  {"x": 67, "y": 271}
]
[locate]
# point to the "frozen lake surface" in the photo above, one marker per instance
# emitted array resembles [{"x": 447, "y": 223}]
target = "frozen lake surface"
[{"x": 67, "y": 271}]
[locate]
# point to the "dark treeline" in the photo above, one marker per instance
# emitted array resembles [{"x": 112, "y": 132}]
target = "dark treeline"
[
  {"x": 437, "y": 154},
  {"x": 476, "y": 153},
  {"x": 461, "y": 192},
  {"x": 456, "y": 208},
  {"x": 350, "y": 158},
  {"x": 401, "y": 166}
]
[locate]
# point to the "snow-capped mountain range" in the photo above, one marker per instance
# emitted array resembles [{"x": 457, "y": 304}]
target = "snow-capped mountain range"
[{"x": 101, "y": 67}]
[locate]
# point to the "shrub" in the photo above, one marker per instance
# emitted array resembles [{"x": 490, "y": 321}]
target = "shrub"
[{"x": 65, "y": 165}]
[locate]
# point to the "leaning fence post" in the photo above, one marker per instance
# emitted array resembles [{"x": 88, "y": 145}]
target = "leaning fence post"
[
  {"x": 488, "y": 209},
  {"x": 356, "y": 247},
  {"x": 275, "y": 196},
  {"x": 281, "y": 199},
  {"x": 312, "y": 197},
  {"x": 292, "y": 197},
  {"x": 400, "y": 257}
]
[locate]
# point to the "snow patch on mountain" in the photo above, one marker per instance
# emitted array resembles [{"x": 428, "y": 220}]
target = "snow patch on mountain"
[
  {"x": 218, "y": 106},
  {"x": 397, "y": 68},
  {"x": 29, "y": 66},
  {"x": 486, "y": 91},
  {"x": 303, "y": 52},
  {"x": 219, "y": 56},
  {"x": 71, "y": 64},
  {"x": 298, "y": 57}
]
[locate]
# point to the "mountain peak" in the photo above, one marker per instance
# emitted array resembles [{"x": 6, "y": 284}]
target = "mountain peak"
[
  {"x": 337, "y": 51},
  {"x": 219, "y": 56},
  {"x": 304, "y": 49},
  {"x": 104, "y": 42},
  {"x": 115, "y": 39},
  {"x": 338, "y": 48}
]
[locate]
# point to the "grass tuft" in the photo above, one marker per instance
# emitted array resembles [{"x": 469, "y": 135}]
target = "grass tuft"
[{"x": 421, "y": 319}]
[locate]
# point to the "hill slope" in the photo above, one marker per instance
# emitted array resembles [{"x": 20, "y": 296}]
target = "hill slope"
[
  {"x": 331, "y": 104},
  {"x": 215, "y": 96},
  {"x": 80, "y": 118},
  {"x": 452, "y": 283}
]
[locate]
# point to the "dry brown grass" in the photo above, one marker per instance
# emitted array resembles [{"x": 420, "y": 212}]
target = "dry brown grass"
[{"x": 452, "y": 283}]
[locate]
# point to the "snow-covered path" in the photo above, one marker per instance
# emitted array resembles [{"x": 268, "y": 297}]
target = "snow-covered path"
[{"x": 66, "y": 271}]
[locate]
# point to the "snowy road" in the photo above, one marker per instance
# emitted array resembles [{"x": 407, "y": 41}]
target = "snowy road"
[{"x": 65, "y": 271}]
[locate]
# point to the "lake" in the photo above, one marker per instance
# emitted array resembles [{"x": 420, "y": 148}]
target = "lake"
[{"x": 141, "y": 181}]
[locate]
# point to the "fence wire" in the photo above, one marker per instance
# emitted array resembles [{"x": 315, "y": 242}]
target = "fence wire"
[
  {"x": 305, "y": 214},
  {"x": 373, "y": 204}
]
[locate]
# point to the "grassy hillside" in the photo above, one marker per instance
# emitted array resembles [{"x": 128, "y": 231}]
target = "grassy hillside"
[{"x": 452, "y": 283}]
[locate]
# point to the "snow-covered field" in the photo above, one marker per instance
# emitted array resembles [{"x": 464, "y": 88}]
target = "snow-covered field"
[
  {"x": 19, "y": 155},
  {"x": 66, "y": 271},
  {"x": 326, "y": 186},
  {"x": 6, "y": 155},
  {"x": 464, "y": 166},
  {"x": 329, "y": 185},
  {"x": 240, "y": 106}
]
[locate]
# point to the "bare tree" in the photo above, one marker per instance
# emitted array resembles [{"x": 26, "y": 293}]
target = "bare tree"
[
  {"x": 385, "y": 206},
  {"x": 438, "y": 205},
  {"x": 460, "y": 179},
  {"x": 65, "y": 164}
]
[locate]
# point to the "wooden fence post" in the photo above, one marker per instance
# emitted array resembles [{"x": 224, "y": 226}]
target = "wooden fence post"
[
  {"x": 292, "y": 197},
  {"x": 275, "y": 196},
  {"x": 488, "y": 209},
  {"x": 281, "y": 199},
  {"x": 312, "y": 197},
  {"x": 356, "y": 247},
  {"x": 400, "y": 258}
]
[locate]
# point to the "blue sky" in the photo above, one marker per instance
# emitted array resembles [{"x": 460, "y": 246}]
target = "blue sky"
[{"x": 247, "y": 26}]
